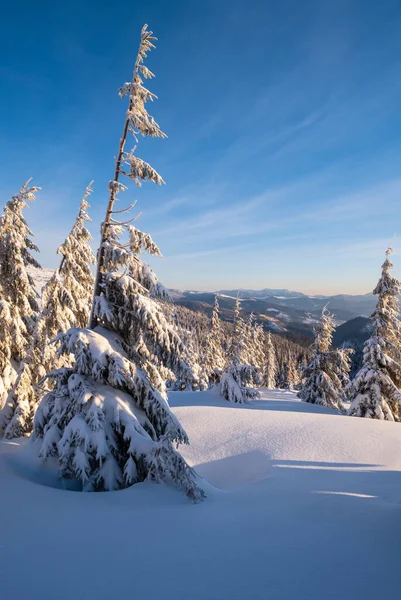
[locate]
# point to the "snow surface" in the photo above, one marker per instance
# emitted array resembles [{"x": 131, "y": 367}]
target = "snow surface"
[{"x": 302, "y": 503}]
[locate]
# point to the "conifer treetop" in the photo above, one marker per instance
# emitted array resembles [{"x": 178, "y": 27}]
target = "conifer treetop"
[
  {"x": 137, "y": 122},
  {"x": 18, "y": 297},
  {"x": 16, "y": 284},
  {"x": 16, "y": 244},
  {"x": 78, "y": 230},
  {"x": 324, "y": 331},
  {"x": 388, "y": 289}
]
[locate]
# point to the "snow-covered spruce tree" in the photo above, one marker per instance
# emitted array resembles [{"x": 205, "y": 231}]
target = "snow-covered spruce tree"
[
  {"x": 248, "y": 354},
  {"x": 344, "y": 363},
  {"x": 18, "y": 298},
  {"x": 238, "y": 379},
  {"x": 239, "y": 336},
  {"x": 107, "y": 420},
  {"x": 290, "y": 378},
  {"x": 321, "y": 382},
  {"x": 294, "y": 374},
  {"x": 270, "y": 366},
  {"x": 375, "y": 391},
  {"x": 253, "y": 347},
  {"x": 66, "y": 303},
  {"x": 258, "y": 349},
  {"x": 213, "y": 357}
]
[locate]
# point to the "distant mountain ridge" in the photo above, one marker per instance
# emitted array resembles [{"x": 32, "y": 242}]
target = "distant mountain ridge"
[
  {"x": 265, "y": 293},
  {"x": 280, "y": 310}
]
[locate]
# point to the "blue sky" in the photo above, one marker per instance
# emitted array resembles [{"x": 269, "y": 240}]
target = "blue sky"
[{"x": 283, "y": 161}]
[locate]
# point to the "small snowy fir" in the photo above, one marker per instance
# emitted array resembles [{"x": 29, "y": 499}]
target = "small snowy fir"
[
  {"x": 375, "y": 391},
  {"x": 107, "y": 419},
  {"x": 321, "y": 381},
  {"x": 240, "y": 377}
]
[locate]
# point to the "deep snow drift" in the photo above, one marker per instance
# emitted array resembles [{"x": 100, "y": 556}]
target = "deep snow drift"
[{"x": 302, "y": 503}]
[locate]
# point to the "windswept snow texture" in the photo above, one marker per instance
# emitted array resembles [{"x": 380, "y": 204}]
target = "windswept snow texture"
[{"x": 305, "y": 504}]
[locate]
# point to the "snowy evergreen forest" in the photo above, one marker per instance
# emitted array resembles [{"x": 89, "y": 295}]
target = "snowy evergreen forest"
[{"x": 225, "y": 456}]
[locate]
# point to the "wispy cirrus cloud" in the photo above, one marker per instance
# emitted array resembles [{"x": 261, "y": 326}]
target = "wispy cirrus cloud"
[{"x": 273, "y": 210}]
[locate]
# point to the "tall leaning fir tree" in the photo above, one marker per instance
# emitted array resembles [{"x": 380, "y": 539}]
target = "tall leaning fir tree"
[
  {"x": 19, "y": 306},
  {"x": 66, "y": 301},
  {"x": 375, "y": 391},
  {"x": 107, "y": 420}
]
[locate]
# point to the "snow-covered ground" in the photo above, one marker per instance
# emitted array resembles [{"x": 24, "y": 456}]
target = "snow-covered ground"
[{"x": 302, "y": 504}]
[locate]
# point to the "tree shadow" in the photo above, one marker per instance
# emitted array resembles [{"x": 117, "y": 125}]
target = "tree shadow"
[
  {"x": 234, "y": 471},
  {"x": 353, "y": 480},
  {"x": 26, "y": 464},
  {"x": 326, "y": 465},
  {"x": 363, "y": 481}
]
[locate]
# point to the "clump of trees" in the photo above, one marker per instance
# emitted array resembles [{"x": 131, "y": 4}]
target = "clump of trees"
[{"x": 65, "y": 303}]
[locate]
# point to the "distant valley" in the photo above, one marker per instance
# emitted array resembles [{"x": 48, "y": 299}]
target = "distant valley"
[{"x": 282, "y": 310}]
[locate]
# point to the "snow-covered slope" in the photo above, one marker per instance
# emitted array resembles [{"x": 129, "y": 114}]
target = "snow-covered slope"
[
  {"x": 302, "y": 503},
  {"x": 280, "y": 431},
  {"x": 40, "y": 277}
]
